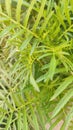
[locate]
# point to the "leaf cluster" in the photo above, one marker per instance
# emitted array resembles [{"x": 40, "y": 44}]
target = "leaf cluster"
[{"x": 36, "y": 64}]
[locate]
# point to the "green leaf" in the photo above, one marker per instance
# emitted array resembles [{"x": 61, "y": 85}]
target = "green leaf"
[
  {"x": 2, "y": 19},
  {"x": 0, "y": 8},
  {"x": 41, "y": 118},
  {"x": 44, "y": 55},
  {"x": 16, "y": 34},
  {"x": 41, "y": 78},
  {"x": 7, "y": 30},
  {"x": 62, "y": 102},
  {"x": 39, "y": 14},
  {"x": 68, "y": 62},
  {"x": 49, "y": 4},
  {"x": 36, "y": 42},
  {"x": 25, "y": 123},
  {"x": 8, "y": 7},
  {"x": 52, "y": 67},
  {"x": 60, "y": 16},
  {"x": 54, "y": 124},
  {"x": 9, "y": 104},
  {"x": 68, "y": 119},
  {"x": 66, "y": 8},
  {"x": 16, "y": 99},
  {"x": 39, "y": 32},
  {"x": 63, "y": 86},
  {"x": 26, "y": 42},
  {"x": 2, "y": 117},
  {"x": 2, "y": 110},
  {"x": 71, "y": 2},
  {"x": 33, "y": 83},
  {"x": 18, "y": 10},
  {"x": 35, "y": 122},
  {"x": 28, "y": 12},
  {"x": 8, "y": 122},
  {"x": 46, "y": 21},
  {"x": 19, "y": 125}
]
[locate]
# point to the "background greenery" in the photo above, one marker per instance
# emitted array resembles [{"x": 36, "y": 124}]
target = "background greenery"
[{"x": 36, "y": 64}]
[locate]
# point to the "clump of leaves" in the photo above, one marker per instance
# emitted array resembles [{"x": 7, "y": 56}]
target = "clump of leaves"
[{"x": 36, "y": 64}]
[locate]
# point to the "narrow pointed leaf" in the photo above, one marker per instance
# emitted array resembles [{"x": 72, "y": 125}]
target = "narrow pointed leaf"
[
  {"x": 6, "y": 30},
  {"x": 46, "y": 21},
  {"x": 68, "y": 119},
  {"x": 39, "y": 14},
  {"x": 26, "y": 42},
  {"x": 28, "y": 12},
  {"x": 62, "y": 87},
  {"x": 52, "y": 67},
  {"x": 67, "y": 11},
  {"x": 62, "y": 102},
  {"x": 25, "y": 126},
  {"x": 8, "y": 122},
  {"x": 18, "y": 10},
  {"x": 35, "y": 122},
  {"x": 33, "y": 83},
  {"x": 8, "y": 7},
  {"x": 19, "y": 126}
]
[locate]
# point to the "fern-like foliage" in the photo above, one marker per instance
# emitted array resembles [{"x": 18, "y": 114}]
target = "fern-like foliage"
[{"x": 36, "y": 64}]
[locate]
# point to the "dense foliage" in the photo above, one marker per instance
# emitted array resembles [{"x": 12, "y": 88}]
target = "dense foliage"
[{"x": 36, "y": 64}]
